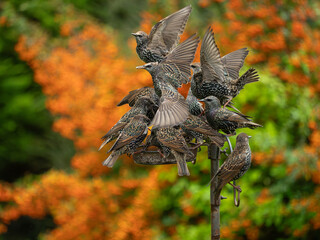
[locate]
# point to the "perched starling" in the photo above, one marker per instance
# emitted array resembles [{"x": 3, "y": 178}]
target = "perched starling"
[
  {"x": 172, "y": 141},
  {"x": 129, "y": 139},
  {"x": 235, "y": 166},
  {"x": 143, "y": 106},
  {"x": 164, "y": 36},
  {"x": 195, "y": 107},
  {"x": 199, "y": 129},
  {"x": 169, "y": 75},
  {"x": 224, "y": 119},
  {"x": 134, "y": 95},
  {"x": 217, "y": 76}
]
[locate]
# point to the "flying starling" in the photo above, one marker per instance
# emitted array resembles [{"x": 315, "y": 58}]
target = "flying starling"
[
  {"x": 195, "y": 107},
  {"x": 143, "y": 106},
  {"x": 219, "y": 76},
  {"x": 129, "y": 139},
  {"x": 172, "y": 141},
  {"x": 235, "y": 166},
  {"x": 199, "y": 129},
  {"x": 134, "y": 95},
  {"x": 164, "y": 36},
  {"x": 224, "y": 119}
]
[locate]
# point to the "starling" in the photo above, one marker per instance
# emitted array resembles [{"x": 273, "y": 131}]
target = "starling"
[
  {"x": 235, "y": 166},
  {"x": 143, "y": 106},
  {"x": 129, "y": 139},
  {"x": 224, "y": 119},
  {"x": 164, "y": 36},
  {"x": 195, "y": 107},
  {"x": 172, "y": 141},
  {"x": 134, "y": 95},
  {"x": 175, "y": 68},
  {"x": 169, "y": 75},
  {"x": 199, "y": 129},
  {"x": 217, "y": 76}
]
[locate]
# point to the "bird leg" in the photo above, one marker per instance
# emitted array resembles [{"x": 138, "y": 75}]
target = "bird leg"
[
  {"x": 161, "y": 154},
  {"x": 224, "y": 106},
  {"x": 236, "y": 187},
  {"x": 196, "y": 146}
]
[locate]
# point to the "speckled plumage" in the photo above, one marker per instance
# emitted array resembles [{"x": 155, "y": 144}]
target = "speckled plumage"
[
  {"x": 172, "y": 141},
  {"x": 129, "y": 139},
  {"x": 169, "y": 75},
  {"x": 199, "y": 129},
  {"x": 235, "y": 166},
  {"x": 164, "y": 36},
  {"x": 144, "y": 106},
  {"x": 195, "y": 107},
  {"x": 224, "y": 119},
  {"x": 218, "y": 76}
]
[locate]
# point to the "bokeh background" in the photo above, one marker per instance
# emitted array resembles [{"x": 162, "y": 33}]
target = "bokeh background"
[{"x": 64, "y": 65}]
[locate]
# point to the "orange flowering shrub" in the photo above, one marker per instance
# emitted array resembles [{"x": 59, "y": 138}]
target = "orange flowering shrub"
[{"x": 83, "y": 77}]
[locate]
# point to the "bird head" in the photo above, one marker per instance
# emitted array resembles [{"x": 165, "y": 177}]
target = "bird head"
[
  {"x": 141, "y": 37},
  {"x": 150, "y": 67},
  {"x": 196, "y": 68},
  {"x": 211, "y": 102},
  {"x": 243, "y": 138}
]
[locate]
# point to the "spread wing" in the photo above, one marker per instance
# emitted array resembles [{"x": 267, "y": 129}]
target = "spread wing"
[
  {"x": 177, "y": 62},
  {"x": 131, "y": 132},
  {"x": 166, "y": 33},
  {"x": 211, "y": 65},
  {"x": 233, "y": 62},
  {"x": 173, "y": 109}
]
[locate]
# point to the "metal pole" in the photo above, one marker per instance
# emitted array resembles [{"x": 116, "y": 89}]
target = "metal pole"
[{"x": 214, "y": 156}]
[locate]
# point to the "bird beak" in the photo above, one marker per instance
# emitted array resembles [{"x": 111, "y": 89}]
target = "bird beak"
[
  {"x": 134, "y": 34},
  {"x": 201, "y": 100},
  {"x": 249, "y": 137},
  {"x": 140, "y": 67}
]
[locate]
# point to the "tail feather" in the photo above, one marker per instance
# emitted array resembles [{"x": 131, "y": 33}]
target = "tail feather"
[
  {"x": 181, "y": 164},
  {"x": 249, "y": 76},
  {"x": 253, "y": 125},
  {"x": 111, "y": 160},
  {"x": 107, "y": 140}
]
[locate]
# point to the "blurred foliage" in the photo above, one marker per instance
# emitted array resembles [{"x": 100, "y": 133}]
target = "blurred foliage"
[
  {"x": 78, "y": 61},
  {"x": 27, "y": 143}
]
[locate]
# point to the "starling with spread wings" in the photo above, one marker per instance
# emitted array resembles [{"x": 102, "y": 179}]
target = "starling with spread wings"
[
  {"x": 169, "y": 75},
  {"x": 224, "y": 119},
  {"x": 218, "y": 76},
  {"x": 129, "y": 139},
  {"x": 235, "y": 166},
  {"x": 164, "y": 36}
]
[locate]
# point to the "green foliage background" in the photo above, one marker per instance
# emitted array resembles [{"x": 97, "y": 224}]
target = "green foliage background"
[{"x": 29, "y": 147}]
